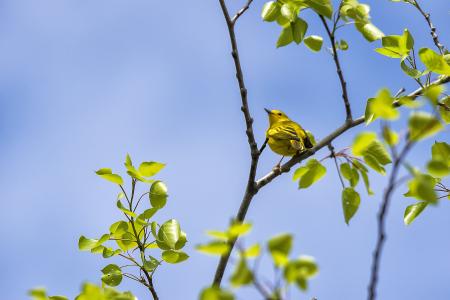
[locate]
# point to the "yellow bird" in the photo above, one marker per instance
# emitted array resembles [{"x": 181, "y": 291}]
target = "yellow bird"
[{"x": 284, "y": 136}]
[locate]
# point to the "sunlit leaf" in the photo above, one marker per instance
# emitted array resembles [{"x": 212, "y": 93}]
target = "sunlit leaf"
[
  {"x": 350, "y": 203},
  {"x": 412, "y": 211}
]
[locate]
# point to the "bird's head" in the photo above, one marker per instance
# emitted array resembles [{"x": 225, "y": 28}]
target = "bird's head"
[{"x": 276, "y": 116}]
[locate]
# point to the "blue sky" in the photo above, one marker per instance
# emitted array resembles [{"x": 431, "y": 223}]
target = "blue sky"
[{"x": 82, "y": 83}]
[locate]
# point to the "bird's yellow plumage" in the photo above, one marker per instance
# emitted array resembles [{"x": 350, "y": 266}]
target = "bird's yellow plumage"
[{"x": 284, "y": 136}]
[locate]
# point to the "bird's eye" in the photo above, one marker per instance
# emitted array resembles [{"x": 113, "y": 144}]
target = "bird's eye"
[{"x": 279, "y": 114}]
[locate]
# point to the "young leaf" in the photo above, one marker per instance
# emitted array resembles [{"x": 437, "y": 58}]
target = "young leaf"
[
  {"x": 421, "y": 187},
  {"x": 369, "y": 31},
  {"x": 112, "y": 275},
  {"x": 239, "y": 228},
  {"x": 279, "y": 247},
  {"x": 125, "y": 210},
  {"x": 158, "y": 194},
  {"x": 434, "y": 61},
  {"x": 390, "y": 136},
  {"x": 151, "y": 168},
  {"x": 322, "y": 7},
  {"x": 299, "y": 28},
  {"x": 412, "y": 211},
  {"x": 362, "y": 141},
  {"x": 270, "y": 11},
  {"x": 309, "y": 174},
  {"x": 252, "y": 251},
  {"x": 174, "y": 257},
  {"x": 106, "y": 173},
  {"x": 242, "y": 275},
  {"x": 304, "y": 267},
  {"x": 169, "y": 233},
  {"x": 214, "y": 248},
  {"x": 286, "y": 37},
  {"x": 314, "y": 42},
  {"x": 350, "y": 203},
  {"x": 215, "y": 293},
  {"x": 422, "y": 125}
]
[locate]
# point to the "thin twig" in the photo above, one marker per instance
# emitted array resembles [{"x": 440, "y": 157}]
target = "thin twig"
[
  {"x": 241, "y": 11},
  {"x": 432, "y": 28},
  {"x": 331, "y": 36},
  {"x": 333, "y": 155},
  {"x": 382, "y": 219}
]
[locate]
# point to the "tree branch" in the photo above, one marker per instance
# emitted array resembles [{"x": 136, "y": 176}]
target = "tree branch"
[
  {"x": 250, "y": 190},
  {"x": 330, "y": 33},
  {"x": 432, "y": 28},
  {"x": 382, "y": 219}
]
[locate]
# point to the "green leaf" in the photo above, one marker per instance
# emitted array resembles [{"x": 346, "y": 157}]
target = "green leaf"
[
  {"x": 412, "y": 211},
  {"x": 381, "y": 107},
  {"x": 444, "y": 109},
  {"x": 279, "y": 247},
  {"x": 215, "y": 293},
  {"x": 238, "y": 228},
  {"x": 433, "y": 92},
  {"x": 439, "y": 166},
  {"x": 378, "y": 150},
  {"x": 106, "y": 173},
  {"x": 174, "y": 257},
  {"x": 242, "y": 275},
  {"x": 397, "y": 46},
  {"x": 390, "y": 136},
  {"x": 342, "y": 45},
  {"x": 441, "y": 151},
  {"x": 304, "y": 267},
  {"x": 422, "y": 125},
  {"x": 362, "y": 141},
  {"x": 158, "y": 194},
  {"x": 109, "y": 252},
  {"x": 422, "y": 187},
  {"x": 350, "y": 203},
  {"x": 414, "y": 73},
  {"x": 112, "y": 275},
  {"x": 221, "y": 235},
  {"x": 309, "y": 174},
  {"x": 151, "y": 168},
  {"x": 366, "y": 182},
  {"x": 288, "y": 10},
  {"x": 151, "y": 264},
  {"x": 170, "y": 233},
  {"x": 369, "y": 31},
  {"x": 148, "y": 213},
  {"x": 299, "y": 28},
  {"x": 314, "y": 42},
  {"x": 125, "y": 210},
  {"x": 350, "y": 174},
  {"x": 434, "y": 61},
  {"x": 85, "y": 244},
  {"x": 322, "y": 7},
  {"x": 118, "y": 228},
  {"x": 214, "y": 248},
  {"x": 270, "y": 11},
  {"x": 286, "y": 37},
  {"x": 252, "y": 251}
]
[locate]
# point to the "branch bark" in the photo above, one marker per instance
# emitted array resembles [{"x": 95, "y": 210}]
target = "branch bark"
[
  {"x": 331, "y": 36},
  {"x": 382, "y": 220},
  {"x": 432, "y": 28},
  {"x": 250, "y": 190}
]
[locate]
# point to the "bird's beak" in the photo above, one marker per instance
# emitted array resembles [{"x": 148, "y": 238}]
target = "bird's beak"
[{"x": 268, "y": 111}]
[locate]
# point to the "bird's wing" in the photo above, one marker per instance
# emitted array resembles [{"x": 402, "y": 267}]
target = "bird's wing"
[{"x": 283, "y": 132}]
